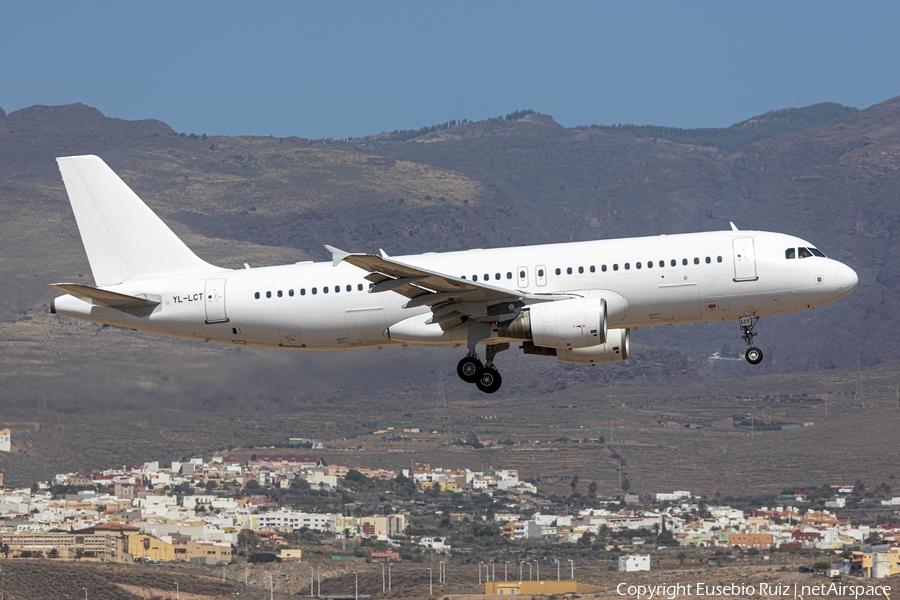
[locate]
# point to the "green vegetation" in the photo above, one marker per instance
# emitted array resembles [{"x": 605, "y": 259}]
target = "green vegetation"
[
  {"x": 735, "y": 137},
  {"x": 518, "y": 114},
  {"x": 408, "y": 134}
]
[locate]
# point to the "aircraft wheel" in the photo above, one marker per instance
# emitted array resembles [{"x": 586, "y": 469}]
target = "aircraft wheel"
[
  {"x": 469, "y": 369},
  {"x": 489, "y": 381},
  {"x": 753, "y": 355}
]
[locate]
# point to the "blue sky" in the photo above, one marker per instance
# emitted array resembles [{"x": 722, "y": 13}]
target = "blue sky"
[{"x": 339, "y": 69}]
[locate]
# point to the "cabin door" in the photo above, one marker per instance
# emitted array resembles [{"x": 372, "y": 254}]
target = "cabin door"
[
  {"x": 215, "y": 301},
  {"x": 744, "y": 259}
]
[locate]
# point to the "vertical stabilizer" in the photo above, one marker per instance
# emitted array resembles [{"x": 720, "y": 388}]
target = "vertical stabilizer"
[{"x": 122, "y": 237}]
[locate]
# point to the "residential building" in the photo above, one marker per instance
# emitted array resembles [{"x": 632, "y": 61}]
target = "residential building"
[
  {"x": 760, "y": 541},
  {"x": 292, "y": 521},
  {"x": 634, "y": 562}
]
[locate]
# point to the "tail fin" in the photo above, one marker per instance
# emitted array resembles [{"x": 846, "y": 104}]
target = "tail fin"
[{"x": 123, "y": 238}]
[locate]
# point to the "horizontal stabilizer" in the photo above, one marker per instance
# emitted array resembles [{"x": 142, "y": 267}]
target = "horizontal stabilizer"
[{"x": 99, "y": 297}]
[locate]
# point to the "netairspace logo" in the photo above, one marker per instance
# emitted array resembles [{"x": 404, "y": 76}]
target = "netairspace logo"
[{"x": 773, "y": 590}]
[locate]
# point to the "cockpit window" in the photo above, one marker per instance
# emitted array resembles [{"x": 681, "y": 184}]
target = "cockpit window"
[
  {"x": 817, "y": 252},
  {"x": 804, "y": 253},
  {"x": 790, "y": 253}
]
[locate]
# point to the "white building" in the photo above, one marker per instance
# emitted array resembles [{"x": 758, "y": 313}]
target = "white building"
[
  {"x": 634, "y": 562},
  {"x": 293, "y": 521},
  {"x": 5, "y": 443},
  {"x": 434, "y": 543}
]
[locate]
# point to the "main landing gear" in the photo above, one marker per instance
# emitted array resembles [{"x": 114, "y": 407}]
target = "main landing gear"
[
  {"x": 485, "y": 376},
  {"x": 753, "y": 354}
]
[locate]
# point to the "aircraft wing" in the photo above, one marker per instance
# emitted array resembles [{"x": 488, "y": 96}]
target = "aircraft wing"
[{"x": 450, "y": 298}]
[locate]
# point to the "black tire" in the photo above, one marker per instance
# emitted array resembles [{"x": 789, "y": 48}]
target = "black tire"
[
  {"x": 489, "y": 381},
  {"x": 469, "y": 369},
  {"x": 753, "y": 355}
]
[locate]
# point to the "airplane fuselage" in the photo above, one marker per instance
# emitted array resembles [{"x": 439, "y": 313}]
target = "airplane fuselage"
[{"x": 659, "y": 280}]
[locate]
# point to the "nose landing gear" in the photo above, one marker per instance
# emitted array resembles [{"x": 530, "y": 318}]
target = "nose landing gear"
[
  {"x": 753, "y": 354},
  {"x": 485, "y": 376}
]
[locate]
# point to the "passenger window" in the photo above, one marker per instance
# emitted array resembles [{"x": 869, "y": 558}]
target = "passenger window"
[
  {"x": 522, "y": 274},
  {"x": 314, "y": 290},
  {"x": 256, "y": 295},
  {"x": 649, "y": 264},
  {"x": 540, "y": 273},
  {"x": 803, "y": 253},
  {"x": 708, "y": 260},
  {"x": 371, "y": 285},
  {"x": 581, "y": 269},
  {"x": 496, "y": 275},
  {"x": 462, "y": 276},
  {"x": 302, "y": 291},
  {"x": 593, "y": 269},
  {"x": 638, "y": 265},
  {"x": 558, "y": 272},
  {"x": 674, "y": 262},
  {"x": 268, "y": 294},
  {"x": 603, "y": 268},
  {"x": 569, "y": 271},
  {"x": 487, "y": 277},
  {"x": 349, "y": 288},
  {"x": 627, "y": 266},
  {"x": 615, "y": 266},
  {"x": 337, "y": 289},
  {"x": 280, "y": 294},
  {"x": 291, "y": 293},
  {"x": 325, "y": 290},
  {"x": 509, "y": 274},
  {"x": 696, "y": 261},
  {"x": 718, "y": 259},
  {"x": 662, "y": 263},
  {"x": 684, "y": 261},
  {"x": 474, "y": 277},
  {"x": 790, "y": 253},
  {"x": 359, "y": 287}
]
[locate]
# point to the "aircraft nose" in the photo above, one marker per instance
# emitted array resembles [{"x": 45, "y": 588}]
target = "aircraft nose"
[{"x": 845, "y": 278}]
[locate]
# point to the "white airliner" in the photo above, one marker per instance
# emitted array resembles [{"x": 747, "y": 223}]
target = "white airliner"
[{"x": 576, "y": 301}]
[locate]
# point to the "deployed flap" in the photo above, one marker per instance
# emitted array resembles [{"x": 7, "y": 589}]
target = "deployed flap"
[{"x": 99, "y": 297}]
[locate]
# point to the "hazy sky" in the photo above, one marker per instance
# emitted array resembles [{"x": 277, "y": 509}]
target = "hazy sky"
[{"x": 338, "y": 69}]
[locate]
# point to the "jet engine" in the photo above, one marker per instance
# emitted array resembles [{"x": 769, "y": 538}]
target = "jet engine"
[
  {"x": 614, "y": 350},
  {"x": 573, "y": 323}
]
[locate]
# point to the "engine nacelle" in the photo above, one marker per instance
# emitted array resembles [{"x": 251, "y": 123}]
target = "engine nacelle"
[
  {"x": 614, "y": 350},
  {"x": 416, "y": 331},
  {"x": 573, "y": 323}
]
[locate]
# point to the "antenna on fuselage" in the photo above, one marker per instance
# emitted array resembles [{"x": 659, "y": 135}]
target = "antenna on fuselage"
[{"x": 733, "y": 226}]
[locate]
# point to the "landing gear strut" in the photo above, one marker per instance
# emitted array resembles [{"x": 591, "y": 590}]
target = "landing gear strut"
[
  {"x": 753, "y": 354},
  {"x": 485, "y": 376}
]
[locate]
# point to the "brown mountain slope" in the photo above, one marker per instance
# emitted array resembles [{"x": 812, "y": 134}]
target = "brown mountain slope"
[{"x": 499, "y": 182}]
